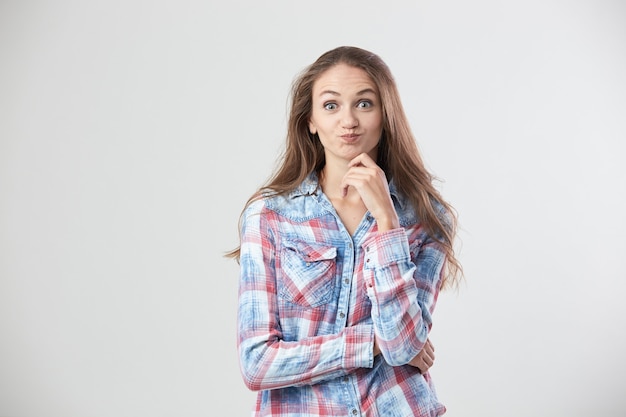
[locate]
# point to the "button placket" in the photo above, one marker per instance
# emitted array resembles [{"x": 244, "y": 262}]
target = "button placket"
[{"x": 346, "y": 283}]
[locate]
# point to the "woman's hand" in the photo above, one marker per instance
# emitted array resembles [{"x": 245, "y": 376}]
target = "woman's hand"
[
  {"x": 376, "y": 348},
  {"x": 425, "y": 359},
  {"x": 370, "y": 182}
]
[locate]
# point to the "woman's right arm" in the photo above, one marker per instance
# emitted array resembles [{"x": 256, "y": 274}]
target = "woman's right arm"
[{"x": 266, "y": 360}]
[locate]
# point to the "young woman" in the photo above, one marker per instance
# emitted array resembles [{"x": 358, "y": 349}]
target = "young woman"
[{"x": 343, "y": 254}]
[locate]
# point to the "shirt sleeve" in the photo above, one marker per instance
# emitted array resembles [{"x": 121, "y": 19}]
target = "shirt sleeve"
[
  {"x": 403, "y": 279},
  {"x": 267, "y": 361}
]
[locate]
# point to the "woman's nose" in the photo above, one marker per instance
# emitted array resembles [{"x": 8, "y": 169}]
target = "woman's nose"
[{"x": 349, "y": 120}]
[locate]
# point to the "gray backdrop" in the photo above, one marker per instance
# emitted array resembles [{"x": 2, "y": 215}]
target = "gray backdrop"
[{"x": 132, "y": 133}]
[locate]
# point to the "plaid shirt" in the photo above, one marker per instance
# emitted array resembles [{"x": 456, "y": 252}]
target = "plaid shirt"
[{"x": 311, "y": 298}]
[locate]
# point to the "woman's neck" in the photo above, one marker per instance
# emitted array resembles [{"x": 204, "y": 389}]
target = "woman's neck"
[{"x": 330, "y": 178}]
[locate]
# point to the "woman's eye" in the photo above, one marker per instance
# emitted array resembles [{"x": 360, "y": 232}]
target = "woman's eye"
[
  {"x": 330, "y": 106},
  {"x": 364, "y": 104}
]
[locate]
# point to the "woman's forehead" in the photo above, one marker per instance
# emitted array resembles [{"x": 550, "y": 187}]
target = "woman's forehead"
[{"x": 343, "y": 78}]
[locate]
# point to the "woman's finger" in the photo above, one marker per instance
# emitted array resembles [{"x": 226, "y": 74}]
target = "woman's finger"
[{"x": 362, "y": 159}]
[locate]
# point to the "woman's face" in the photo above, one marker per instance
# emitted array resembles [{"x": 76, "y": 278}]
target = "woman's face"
[{"x": 346, "y": 113}]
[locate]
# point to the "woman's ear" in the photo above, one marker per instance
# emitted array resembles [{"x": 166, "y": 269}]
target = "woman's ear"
[{"x": 312, "y": 128}]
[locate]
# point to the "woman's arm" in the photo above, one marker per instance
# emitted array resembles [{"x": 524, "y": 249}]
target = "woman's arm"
[
  {"x": 266, "y": 360},
  {"x": 423, "y": 360},
  {"x": 402, "y": 268},
  {"x": 403, "y": 291}
]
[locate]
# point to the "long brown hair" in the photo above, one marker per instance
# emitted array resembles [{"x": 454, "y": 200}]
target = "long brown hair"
[{"x": 398, "y": 154}]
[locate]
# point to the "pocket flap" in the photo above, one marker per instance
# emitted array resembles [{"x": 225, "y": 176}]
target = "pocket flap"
[{"x": 312, "y": 252}]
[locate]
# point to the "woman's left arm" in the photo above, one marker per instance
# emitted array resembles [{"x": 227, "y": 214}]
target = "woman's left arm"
[
  {"x": 402, "y": 268},
  {"x": 403, "y": 276}
]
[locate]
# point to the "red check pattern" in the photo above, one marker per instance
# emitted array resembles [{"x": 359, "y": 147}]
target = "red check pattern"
[{"x": 311, "y": 298}]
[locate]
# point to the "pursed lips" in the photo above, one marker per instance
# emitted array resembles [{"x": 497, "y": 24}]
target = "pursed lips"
[{"x": 351, "y": 137}]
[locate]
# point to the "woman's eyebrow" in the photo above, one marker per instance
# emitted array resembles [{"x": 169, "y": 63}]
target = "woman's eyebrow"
[
  {"x": 331, "y": 92},
  {"x": 366, "y": 91}
]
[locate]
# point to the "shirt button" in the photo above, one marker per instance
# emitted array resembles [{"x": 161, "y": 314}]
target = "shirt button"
[
  {"x": 342, "y": 315},
  {"x": 345, "y": 379},
  {"x": 367, "y": 260},
  {"x": 346, "y": 281},
  {"x": 354, "y": 412}
]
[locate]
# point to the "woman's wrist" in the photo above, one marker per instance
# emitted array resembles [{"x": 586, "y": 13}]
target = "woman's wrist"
[{"x": 388, "y": 223}]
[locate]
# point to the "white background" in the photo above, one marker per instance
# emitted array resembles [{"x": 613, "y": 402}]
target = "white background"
[{"x": 132, "y": 132}]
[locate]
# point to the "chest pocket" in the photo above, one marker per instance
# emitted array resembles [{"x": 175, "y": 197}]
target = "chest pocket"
[{"x": 307, "y": 273}]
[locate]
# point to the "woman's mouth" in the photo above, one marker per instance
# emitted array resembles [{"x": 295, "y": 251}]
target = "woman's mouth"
[{"x": 350, "y": 137}]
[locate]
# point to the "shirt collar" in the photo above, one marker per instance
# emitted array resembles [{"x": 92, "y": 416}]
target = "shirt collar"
[
  {"x": 309, "y": 186},
  {"x": 396, "y": 196}
]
